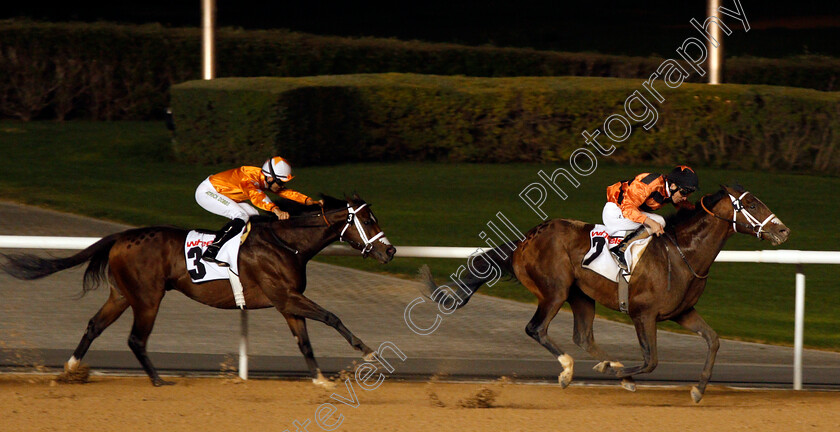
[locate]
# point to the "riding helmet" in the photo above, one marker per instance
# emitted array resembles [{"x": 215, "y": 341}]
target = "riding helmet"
[
  {"x": 278, "y": 169},
  {"x": 684, "y": 177}
]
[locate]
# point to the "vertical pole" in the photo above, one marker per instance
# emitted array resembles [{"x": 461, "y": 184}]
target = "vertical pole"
[
  {"x": 208, "y": 44},
  {"x": 799, "y": 326},
  {"x": 243, "y": 345},
  {"x": 715, "y": 53}
]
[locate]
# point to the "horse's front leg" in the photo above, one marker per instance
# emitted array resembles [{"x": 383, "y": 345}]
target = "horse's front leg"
[
  {"x": 298, "y": 327},
  {"x": 692, "y": 320},
  {"x": 301, "y": 306},
  {"x": 646, "y": 332}
]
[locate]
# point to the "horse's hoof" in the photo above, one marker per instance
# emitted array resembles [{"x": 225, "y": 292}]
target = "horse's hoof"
[
  {"x": 696, "y": 394},
  {"x": 604, "y": 365},
  {"x": 600, "y": 367},
  {"x": 369, "y": 357},
  {"x": 568, "y": 364},
  {"x": 628, "y": 384},
  {"x": 564, "y": 379},
  {"x": 323, "y": 383},
  {"x": 157, "y": 382}
]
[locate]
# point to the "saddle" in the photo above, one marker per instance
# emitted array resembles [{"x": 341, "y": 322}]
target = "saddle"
[
  {"x": 599, "y": 260},
  {"x": 201, "y": 271}
]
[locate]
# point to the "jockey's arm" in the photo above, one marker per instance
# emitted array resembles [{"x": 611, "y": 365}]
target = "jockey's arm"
[
  {"x": 296, "y": 197},
  {"x": 634, "y": 197},
  {"x": 260, "y": 200}
]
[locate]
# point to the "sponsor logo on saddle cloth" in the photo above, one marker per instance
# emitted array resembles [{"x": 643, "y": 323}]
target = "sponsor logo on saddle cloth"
[
  {"x": 599, "y": 259},
  {"x": 203, "y": 271}
]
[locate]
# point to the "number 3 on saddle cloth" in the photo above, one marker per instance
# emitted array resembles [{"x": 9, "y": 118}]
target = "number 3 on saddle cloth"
[
  {"x": 599, "y": 259},
  {"x": 203, "y": 271}
]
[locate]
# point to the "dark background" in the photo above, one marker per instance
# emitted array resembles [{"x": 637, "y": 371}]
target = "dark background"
[{"x": 607, "y": 26}]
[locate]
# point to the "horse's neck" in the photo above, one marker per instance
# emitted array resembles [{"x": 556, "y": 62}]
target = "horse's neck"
[
  {"x": 702, "y": 239},
  {"x": 309, "y": 240}
]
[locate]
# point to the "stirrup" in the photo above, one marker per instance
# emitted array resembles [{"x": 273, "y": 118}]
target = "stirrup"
[
  {"x": 210, "y": 253},
  {"x": 618, "y": 255},
  {"x": 215, "y": 261}
]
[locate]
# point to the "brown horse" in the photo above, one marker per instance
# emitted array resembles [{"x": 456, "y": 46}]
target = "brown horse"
[
  {"x": 666, "y": 284},
  {"x": 142, "y": 264}
]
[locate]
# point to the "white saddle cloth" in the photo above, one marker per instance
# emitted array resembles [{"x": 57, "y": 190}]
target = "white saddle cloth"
[
  {"x": 599, "y": 259},
  {"x": 203, "y": 271}
]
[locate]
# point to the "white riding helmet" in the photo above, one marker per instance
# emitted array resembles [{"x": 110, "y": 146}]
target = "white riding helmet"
[{"x": 278, "y": 169}]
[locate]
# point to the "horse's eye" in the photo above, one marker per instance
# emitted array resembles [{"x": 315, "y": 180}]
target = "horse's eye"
[
  {"x": 367, "y": 222},
  {"x": 752, "y": 206}
]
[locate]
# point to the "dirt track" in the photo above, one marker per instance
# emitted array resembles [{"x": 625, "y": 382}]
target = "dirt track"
[{"x": 34, "y": 403}]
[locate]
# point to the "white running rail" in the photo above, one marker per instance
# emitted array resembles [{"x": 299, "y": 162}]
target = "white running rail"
[{"x": 797, "y": 257}]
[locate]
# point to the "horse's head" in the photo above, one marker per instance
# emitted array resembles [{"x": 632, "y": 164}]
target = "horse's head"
[
  {"x": 362, "y": 232},
  {"x": 748, "y": 215}
]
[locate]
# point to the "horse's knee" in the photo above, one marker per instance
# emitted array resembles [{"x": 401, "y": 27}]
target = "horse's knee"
[
  {"x": 581, "y": 340},
  {"x": 714, "y": 342},
  {"x": 136, "y": 344},
  {"x": 332, "y": 320},
  {"x": 533, "y": 331}
]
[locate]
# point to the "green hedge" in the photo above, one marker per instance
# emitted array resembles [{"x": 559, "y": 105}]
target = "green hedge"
[
  {"x": 374, "y": 117},
  {"x": 111, "y": 71}
]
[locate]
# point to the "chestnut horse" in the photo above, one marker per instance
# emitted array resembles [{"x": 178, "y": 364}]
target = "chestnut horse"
[
  {"x": 142, "y": 264},
  {"x": 666, "y": 283}
]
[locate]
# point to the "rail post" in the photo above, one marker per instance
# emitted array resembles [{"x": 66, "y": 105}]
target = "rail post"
[
  {"x": 243, "y": 344},
  {"x": 799, "y": 327}
]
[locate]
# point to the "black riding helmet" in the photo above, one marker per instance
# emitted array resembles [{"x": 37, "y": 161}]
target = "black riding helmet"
[{"x": 685, "y": 178}]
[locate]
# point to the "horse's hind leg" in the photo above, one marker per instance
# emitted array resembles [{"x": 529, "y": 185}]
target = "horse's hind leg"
[
  {"x": 298, "y": 327},
  {"x": 144, "y": 321},
  {"x": 537, "y": 328},
  {"x": 692, "y": 320},
  {"x": 583, "y": 309},
  {"x": 303, "y": 307},
  {"x": 108, "y": 313}
]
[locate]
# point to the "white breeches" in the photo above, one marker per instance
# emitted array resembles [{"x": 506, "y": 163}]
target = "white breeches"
[
  {"x": 209, "y": 199},
  {"x": 618, "y": 225}
]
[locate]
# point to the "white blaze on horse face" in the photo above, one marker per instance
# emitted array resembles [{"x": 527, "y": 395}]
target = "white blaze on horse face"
[
  {"x": 384, "y": 239},
  {"x": 776, "y": 221}
]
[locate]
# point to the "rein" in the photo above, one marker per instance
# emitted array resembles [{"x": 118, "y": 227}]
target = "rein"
[
  {"x": 352, "y": 220},
  {"x": 682, "y": 255}
]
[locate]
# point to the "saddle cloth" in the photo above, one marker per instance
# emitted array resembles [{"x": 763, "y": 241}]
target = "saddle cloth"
[
  {"x": 203, "y": 271},
  {"x": 599, "y": 259}
]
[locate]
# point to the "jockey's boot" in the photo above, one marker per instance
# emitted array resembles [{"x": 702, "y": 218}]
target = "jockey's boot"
[
  {"x": 229, "y": 231},
  {"x": 618, "y": 250}
]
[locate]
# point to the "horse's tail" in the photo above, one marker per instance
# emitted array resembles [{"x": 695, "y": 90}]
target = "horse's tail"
[
  {"x": 481, "y": 268},
  {"x": 29, "y": 267}
]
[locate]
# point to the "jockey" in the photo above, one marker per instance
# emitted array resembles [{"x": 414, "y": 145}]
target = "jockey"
[
  {"x": 225, "y": 194},
  {"x": 629, "y": 205}
]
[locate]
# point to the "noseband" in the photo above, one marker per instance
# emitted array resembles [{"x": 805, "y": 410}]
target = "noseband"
[
  {"x": 368, "y": 242},
  {"x": 754, "y": 224}
]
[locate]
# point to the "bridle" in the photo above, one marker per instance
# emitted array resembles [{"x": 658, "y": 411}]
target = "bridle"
[
  {"x": 368, "y": 242},
  {"x": 753, "y": 224}
]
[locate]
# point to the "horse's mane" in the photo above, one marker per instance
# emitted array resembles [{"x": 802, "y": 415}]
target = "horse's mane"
[{"x": 684, "y": 215}]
